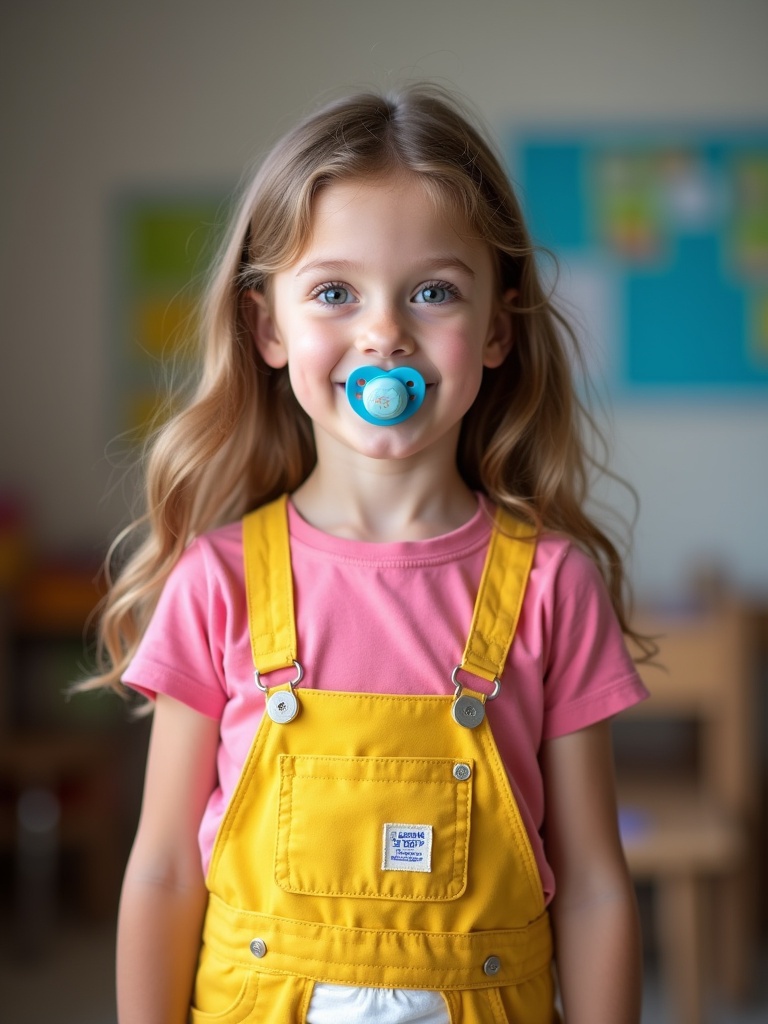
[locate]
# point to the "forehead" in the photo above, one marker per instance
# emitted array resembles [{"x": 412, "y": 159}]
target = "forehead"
[
  {"x": 403, "y": 204},
  {"x": 394, "y": 183}
]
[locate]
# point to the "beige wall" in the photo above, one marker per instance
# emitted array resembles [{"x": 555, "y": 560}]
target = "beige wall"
[{"x": 100, "y": 96}]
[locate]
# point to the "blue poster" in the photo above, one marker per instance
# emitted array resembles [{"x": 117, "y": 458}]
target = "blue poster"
[{"x": 663, "y": 240}]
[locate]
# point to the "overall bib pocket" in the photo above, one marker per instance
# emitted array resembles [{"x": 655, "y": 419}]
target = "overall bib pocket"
[{"x": 378, "y": 827}]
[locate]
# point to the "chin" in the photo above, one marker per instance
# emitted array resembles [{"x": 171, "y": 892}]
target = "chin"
[
  {"x": 388, "y": 450},
  {"x": 384, "y": 443}
]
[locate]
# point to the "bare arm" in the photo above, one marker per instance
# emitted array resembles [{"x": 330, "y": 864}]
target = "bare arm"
[
  {"x": 164, "y": 898},
  {"x": 594, "y": 913}
]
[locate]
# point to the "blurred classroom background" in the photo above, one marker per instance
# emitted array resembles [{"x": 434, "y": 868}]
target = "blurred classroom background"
[{"x": 638, "y": 134}]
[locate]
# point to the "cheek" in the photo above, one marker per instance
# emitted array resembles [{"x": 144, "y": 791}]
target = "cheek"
[
  {"x": 460, "y": 357},
  {"x": 302, "y": 374},
  {"x": 461, "y": 368},
  {"x": 469, "y": 387},
  {"x": 312, "y": 358},
  {"x": 311, "y": 339}
]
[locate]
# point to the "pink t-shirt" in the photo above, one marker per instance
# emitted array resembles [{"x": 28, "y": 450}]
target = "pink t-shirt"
[{"x": 391, "y": 618}]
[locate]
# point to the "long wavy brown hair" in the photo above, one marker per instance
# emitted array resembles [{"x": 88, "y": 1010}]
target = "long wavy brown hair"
[{"x": 528, "y": 442}]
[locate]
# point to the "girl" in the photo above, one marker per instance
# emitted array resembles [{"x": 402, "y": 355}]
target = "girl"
[{"x": 379, "y": 784}]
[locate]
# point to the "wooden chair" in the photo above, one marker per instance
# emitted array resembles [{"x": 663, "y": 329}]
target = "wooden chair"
[{"x": 688, "y": 819}]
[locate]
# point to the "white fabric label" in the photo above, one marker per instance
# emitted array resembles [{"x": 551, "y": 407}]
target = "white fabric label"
[{"x": 407, "y": 847}]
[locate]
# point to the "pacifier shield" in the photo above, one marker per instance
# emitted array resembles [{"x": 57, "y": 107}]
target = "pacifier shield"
[{"x": 385, "y": 397}]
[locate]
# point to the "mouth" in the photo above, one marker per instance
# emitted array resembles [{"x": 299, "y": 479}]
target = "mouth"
[{"x": 343, "y": 384}]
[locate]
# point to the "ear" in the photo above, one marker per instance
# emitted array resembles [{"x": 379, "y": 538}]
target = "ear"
[
  {"x": 500, "y": 333},
  {"x": 263, "y": 329}
]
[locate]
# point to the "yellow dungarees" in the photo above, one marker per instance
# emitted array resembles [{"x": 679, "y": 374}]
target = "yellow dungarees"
[{"x": 374, "y": 840}]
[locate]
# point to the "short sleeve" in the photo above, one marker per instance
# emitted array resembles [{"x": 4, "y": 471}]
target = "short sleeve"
[
  {"x": 589, "y": 673},
  {"x": 178, "y": 655}
]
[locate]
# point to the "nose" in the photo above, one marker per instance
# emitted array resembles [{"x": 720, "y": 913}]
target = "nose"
[{"x": 384, "y": 334}]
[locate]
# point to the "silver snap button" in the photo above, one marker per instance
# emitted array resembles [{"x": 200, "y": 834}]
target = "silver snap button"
[
  {"x": 492, "y": 965},
  {"x": 282, "y": 706},
  {"x": 468, "y": 711},
  {"x": 461, "y": 772},
  {"x": 259, "y": 948}
]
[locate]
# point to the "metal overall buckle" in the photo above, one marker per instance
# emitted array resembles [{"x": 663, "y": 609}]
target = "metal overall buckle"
[
  {"x": 282, "y": 703},
  {"x": 466, "y": 710}
]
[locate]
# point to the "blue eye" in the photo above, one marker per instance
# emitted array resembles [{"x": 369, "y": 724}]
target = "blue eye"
[
  {"x": 333, "y": 295},
  {"x": 434, "y": 294}
]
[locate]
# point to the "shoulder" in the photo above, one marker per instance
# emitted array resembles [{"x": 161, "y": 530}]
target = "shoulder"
[
  {"x": 224, "y": 544},
  {"x": 208, "y": 569},
  {"x": 589, "y": 674},
  {"x": 563, "y": 573},
  {"x": 211, "y": 554},
  {"x": 181, "y": 650},
  {"x": 568, "y": 605}
]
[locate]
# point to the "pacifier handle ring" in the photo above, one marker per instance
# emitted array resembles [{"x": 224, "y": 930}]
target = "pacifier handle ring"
[{"x": 292, "y": 682}]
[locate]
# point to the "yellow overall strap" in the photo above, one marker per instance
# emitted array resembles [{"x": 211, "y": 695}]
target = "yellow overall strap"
[
  {"x": 269, "y": 586},
  {"x": 500, "y": 597},
  {"x": 269, "y": 590}
]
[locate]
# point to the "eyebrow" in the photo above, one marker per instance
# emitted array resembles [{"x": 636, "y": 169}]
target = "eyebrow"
[{"x": 433, "y": 263}]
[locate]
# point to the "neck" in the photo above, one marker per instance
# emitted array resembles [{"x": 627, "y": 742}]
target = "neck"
[{"x": 384, "y": 500}]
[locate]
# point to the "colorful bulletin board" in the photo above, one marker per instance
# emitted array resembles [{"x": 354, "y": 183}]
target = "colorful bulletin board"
[
  {"x": 164, "y": 247},
  {"x": 663, "y": 239}
]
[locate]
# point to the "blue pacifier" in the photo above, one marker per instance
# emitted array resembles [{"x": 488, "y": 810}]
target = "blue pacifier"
[{"x": 385, "y": 397}]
